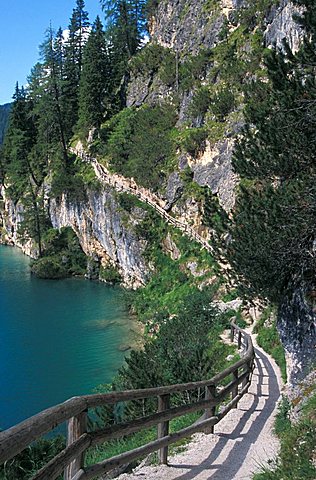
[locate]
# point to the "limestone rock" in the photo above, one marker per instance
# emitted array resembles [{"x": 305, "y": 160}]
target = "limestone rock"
[
  {"x": 214, "y": 170},
  {"x": 297, "y": 328},
  {"x": 171, "y": 248},
  {"x": 280, "y": 25}
]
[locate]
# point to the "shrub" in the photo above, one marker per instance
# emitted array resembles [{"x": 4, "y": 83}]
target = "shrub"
[
  {"x": 222, "y": 103},
  {"x": 200, "y": 103},
  {"x": 63, "y": 255},
  {"x": 139, "y": 143},
  {"x": 193, "y": 140},
  {"x": 110, "y": 274},
  {"x": 25, "y": 464},
  {"x": 49, "y": 267}
]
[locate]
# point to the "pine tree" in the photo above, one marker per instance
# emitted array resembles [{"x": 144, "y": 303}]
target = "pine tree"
[
  {"x": 96, "y": 81},
  {"x": 23, "y": 177},
  {"x": 78, "y": 32},
  {"x": 51, "y": 99},
  {"x": 273, "y": 230},
  {"x": 18, "y": 143},
  {"x": 126, "y": 27}
]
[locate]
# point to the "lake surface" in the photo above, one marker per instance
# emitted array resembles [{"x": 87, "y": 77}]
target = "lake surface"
[{"x": 57, "y": 338}]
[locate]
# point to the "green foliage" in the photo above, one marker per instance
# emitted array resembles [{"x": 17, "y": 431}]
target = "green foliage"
[
  {"x": 24, "y": 465},
  {"x": 49, "y": 267},
  {"x": 298, "y": 443},
  {"x": 154, "y": 59},
  {"x": 201, "y": 102},
  {"x": 193, "y": 140},
  {"x": 282, "y": 423},
  {"x": 95, "y": 82},
  {"x": 128, "y": 202},
  {"x": 139, "y": 144},
  {"x": 268, "y": 338},
  {"x": 110, "y": 274},
  {"x": 4, "y": 118},
  {"x": 151, "y": 6},
  {"x": 193, "y": 69},
  {"x": 116, "y": 447},
  {"x": 214, "y": 216},
  {"x": 180, "y": 348},
  {"x": 273, "y": 229},
  {"x": 63, "y": 255},
  {"x": 73, "y": 179},
  {"x": 222, "y": 103}
]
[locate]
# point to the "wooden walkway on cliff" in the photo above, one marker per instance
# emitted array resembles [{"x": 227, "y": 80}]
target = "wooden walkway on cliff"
[
  {"x": 122, "y": 184},
  {"x": 232, "y": 382}
]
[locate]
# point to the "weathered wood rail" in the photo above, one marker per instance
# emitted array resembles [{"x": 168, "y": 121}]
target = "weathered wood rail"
[{"x": 234, "y": 381}]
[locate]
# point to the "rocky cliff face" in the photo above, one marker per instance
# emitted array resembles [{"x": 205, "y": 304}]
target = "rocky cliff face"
[
  {"x": 105, "y": 233},
  {"x": 11, "y": 215},
  {"x": 297, "y": 328}
]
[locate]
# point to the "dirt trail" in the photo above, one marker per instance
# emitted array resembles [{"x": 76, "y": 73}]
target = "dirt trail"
[
  {"x": 128, "y": 185},
  {"x": 243, "y": 440}
]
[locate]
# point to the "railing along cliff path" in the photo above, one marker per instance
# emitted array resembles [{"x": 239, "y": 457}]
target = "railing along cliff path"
[
  {"x": 234, "y": 381},
  {"x": 122, "y": 184}
]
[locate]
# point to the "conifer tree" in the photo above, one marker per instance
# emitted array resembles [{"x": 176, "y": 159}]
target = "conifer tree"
[
  {"x": 126, "y": 28},
  {"x": 21, "y": 168},
  {"x": 273, "y": 231},
  {"x": 96, "y": 80},
  {"x": 51, "y": 98},
  {"x": 78, "y": 32}
]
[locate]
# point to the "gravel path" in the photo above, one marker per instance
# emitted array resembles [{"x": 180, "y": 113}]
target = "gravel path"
[{"x": 243, "y": 441}]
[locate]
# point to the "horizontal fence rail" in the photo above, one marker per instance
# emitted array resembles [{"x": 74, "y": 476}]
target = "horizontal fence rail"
[{"x": 237, "y": 380}]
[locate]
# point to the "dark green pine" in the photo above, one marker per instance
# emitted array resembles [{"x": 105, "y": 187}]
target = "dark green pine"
[{"x": 96, "y": 79}]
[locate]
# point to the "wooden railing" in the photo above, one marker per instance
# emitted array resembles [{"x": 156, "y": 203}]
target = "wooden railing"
[
  {"x": 234, "y": 381},
  {"x": 123, "y": 184}
]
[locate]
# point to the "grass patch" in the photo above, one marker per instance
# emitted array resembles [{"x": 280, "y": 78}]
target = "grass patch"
[
  {"x": 268, "y": 339},
  {"x": 298, "y": 446},
  {"x": 130, "y": 442}
]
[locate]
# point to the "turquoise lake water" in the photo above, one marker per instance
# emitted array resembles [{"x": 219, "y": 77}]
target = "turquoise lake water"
[{"x": 57, "y": 338}]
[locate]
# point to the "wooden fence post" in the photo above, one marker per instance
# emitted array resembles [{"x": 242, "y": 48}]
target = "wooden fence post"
[
  {"x": 75, "y": 428},
  {"x": 210, "y": 394},
  {"x": 232, "y": 333},
  {"x": 163, "y": 428},
  {"x": 239, "y": 339},
  {"x": 235, "y": 391},
  {"x": 249, "y": 367}
]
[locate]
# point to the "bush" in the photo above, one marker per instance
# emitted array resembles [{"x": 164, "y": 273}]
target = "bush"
[
  {"x": 25, "y": 464},
  {"x": 49, "y": 267},
  {"x": 298, "y": 444},
  {"x": 200, "y": 103},
  {"x": 222, "y": 103},
  {"x": 139, "y": 143},
  {"x": 110, "y": 275},
  {"x": 268, "y": 339},
  {"x": 62, "y": 256},
  {"x": 193, "y": 140}
]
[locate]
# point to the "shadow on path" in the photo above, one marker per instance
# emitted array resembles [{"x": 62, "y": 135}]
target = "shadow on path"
[{"x": 243, "y": 441}]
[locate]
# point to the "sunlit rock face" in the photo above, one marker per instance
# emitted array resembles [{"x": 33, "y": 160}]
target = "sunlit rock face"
[
  {"x": 281, "y": 26},
  {"x": 11, "y": 216},
  {"x": 105, "y": 233}
]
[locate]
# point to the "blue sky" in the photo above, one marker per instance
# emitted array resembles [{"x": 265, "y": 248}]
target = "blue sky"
[{"x": 22, "y": 29}]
